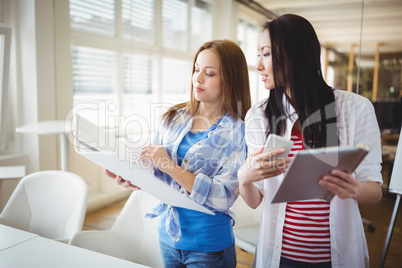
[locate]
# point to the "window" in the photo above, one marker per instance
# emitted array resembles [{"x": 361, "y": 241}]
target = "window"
[
  {"x": 247, "y": 39},
  {"x": 201, "y": 23},
  {"x": 241, "y": 34},
  {"x": 93, "y": 70},
  {"x": 139, "y": 20},
  {"x": 93, "y": 17},
  {"x": 5, "y": 40},
  {"x": 136, "y": 52},
  {"x": 251, "y": 45},
  {"x": 174, "y": 24},
  {"x": 169, "y": 82},
  {"x": 138, "y": 74}
]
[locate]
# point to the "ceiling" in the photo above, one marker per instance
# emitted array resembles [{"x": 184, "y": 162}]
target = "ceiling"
[{"x": 338, "y": 23}]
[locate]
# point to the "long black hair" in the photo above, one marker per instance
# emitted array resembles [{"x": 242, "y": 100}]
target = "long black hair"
[{"x": 296, "y": 65}]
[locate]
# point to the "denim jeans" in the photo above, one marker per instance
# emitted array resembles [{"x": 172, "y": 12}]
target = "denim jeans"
[
  {"x": 286, "y": 263},
  {"x": 198, "y": 259}
]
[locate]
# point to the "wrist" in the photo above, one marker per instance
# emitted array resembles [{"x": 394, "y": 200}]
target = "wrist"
[
  {"x": 244, "y": 182},
  {"x": 242, "y": 176},
  {"x": 169, "y": 168}
]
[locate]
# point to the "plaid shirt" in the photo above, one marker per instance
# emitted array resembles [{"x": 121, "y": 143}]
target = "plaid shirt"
[{"x": 214, "y": 160}]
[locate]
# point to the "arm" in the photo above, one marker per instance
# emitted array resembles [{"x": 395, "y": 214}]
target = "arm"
[
  {"x": 369, "y": 193},
  {"x": 160, "y": 158},
  {"x": 250, "y": 193},
  {"x": 364, "y": 185},
  {"x": 220, "y": 190},
  {"x": 216, "y": 184},
  {"x": 216, "y": 191},
  {"x": 158, "y": 155},
  {"x": 257, "y": 167},
  {"x": 344, "y": 185},
  {"x": 125, "y": 183}
]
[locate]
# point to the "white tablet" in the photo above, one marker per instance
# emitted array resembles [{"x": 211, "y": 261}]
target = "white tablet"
[{"x": 309, "y": 166}]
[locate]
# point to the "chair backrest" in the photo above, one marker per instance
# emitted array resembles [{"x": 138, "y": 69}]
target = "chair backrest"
[
  {"x": 49, "y": 203},
  {"x": 247, "y": 224},
  {"x": 138, "y": 236},
  {"x": 244, "y": 215}
]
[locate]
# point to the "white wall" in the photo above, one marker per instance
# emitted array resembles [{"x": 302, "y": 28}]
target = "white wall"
[
  {"x": 23, "y": 82},
  {"x": 22, "y": 149},
  {"x": 225, "y": 19},
  {"x": 45, "y": 73}
]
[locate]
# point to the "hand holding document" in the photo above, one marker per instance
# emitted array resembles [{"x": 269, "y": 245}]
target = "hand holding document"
[
  {"x": 120, "y": 181},
  {"x": 92, "y": 142}
]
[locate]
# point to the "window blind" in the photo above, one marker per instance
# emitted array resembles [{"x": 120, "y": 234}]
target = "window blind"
[
  {"x": 93, "y": 70},
  {"x": 201, "y": 24},
  {"x": 93, "y": 16},
  {"x": 175, "y": 24},
  {"x": 138, "y": 20},
  {"x": 138, "y": 74},
  {"x": 125, "y": 71}
]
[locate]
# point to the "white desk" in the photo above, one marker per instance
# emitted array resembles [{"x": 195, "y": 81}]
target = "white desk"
[
  {"x": 48, "y": 128},
  {"x": 9, "y": 173},
  {"x": 40, "y": 252},
  {"x": 10, "y": 237}
]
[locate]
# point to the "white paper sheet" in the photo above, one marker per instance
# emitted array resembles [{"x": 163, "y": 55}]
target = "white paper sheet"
[{"x": 127, "y": 164}]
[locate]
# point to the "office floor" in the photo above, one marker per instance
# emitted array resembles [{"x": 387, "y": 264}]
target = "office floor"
[
  {"x": 380, "y": 216},
  {"x": 104, "y": 219}
]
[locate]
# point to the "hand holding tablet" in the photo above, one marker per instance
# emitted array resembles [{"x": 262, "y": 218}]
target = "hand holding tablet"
[{"x": 309, "y": 166}]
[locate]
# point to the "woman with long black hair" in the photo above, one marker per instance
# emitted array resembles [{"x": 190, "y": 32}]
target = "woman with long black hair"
[{"x": 303, "y": 108}]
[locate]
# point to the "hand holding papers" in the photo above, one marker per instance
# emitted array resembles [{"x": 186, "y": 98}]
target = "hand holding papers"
[
  {"x": 125, "y": 161},
  {"x": 309, "y": 166}
]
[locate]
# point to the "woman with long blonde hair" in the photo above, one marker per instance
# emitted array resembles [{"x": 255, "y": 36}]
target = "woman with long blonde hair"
[{"x": 198, "y": 150}]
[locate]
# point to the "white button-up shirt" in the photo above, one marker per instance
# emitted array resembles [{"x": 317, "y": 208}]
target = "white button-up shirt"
[{"x": 356, "y": 124}]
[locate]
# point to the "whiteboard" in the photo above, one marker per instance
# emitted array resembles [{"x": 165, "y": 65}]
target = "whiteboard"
[{"x": 395, "y": 184}]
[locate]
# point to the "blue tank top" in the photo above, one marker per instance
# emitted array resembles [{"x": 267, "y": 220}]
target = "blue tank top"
[{"x": 199, "y": 231}]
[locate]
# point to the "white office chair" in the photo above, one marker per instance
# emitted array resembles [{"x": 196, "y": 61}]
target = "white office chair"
[
  {"x": 132, "y": 237},
  {"x": 247, "y": 224},
  {"x": 49, "y": 203}
]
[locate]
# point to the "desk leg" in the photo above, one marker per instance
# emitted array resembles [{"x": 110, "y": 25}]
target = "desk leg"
[
  {"x": 390, "y": 230},
  {"x": 64, "y": 154},
  {"x": 1, "y": 196}
]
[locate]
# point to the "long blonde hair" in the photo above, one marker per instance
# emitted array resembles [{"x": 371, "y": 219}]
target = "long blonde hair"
[{"x": 234, "y": 79}]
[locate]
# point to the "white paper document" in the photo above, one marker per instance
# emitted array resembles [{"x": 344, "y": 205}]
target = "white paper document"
[{"x": 129, "y": 166}]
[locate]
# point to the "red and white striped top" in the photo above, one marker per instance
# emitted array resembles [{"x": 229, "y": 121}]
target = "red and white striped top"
[{"x": 306, "y": 236}]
